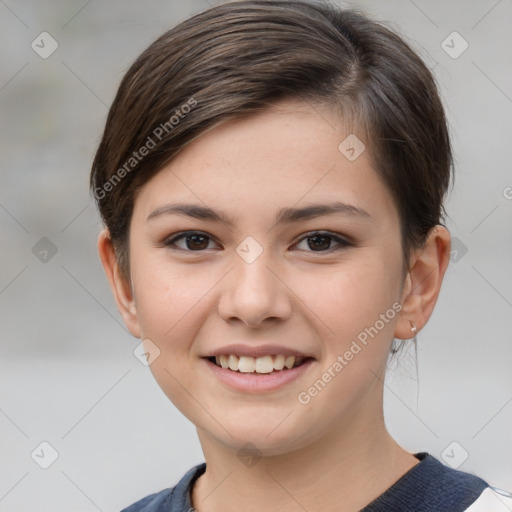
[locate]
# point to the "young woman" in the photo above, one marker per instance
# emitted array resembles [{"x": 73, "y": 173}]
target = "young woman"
[{"x": 271, "y": 178}]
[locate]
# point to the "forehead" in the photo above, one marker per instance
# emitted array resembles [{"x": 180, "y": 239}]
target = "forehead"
[{"x": 288, "y": 154}]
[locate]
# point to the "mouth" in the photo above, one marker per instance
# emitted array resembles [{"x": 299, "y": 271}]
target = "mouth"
[{"x": 272, "y": 363}]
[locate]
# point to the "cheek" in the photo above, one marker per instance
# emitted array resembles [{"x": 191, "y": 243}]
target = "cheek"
[
  {"x": 353, "y": 296},
  {"x": 358, "y": 306},
  {"x": 172, "y": 306},
  {"x": 169, "y": 300}
]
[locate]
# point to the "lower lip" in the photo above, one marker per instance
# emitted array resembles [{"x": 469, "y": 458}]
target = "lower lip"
[{"x": 257, "y": 382}]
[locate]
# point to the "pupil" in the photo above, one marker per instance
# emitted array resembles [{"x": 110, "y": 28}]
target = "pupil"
[
  {"x": 194, "y": 242},
  {"x": 317, "y": 242}
]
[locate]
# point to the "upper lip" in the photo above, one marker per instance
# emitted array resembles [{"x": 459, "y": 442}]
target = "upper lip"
[{"x": 256, "y": 351}]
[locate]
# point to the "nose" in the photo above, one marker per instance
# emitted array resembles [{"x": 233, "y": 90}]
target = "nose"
[{"x": 254, "y": 294}]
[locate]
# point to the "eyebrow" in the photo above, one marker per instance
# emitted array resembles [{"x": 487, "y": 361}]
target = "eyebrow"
[{"x": 284, "y": 216}]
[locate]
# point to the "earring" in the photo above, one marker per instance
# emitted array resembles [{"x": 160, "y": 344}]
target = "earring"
[{"x": 414, "y": 329}]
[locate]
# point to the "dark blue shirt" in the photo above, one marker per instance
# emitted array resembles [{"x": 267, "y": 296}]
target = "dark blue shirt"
[{"x": 430, "y": 486}]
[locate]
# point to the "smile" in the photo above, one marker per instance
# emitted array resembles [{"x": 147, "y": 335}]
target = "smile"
[
  {"x": 256, "y": 375},
  {"x": 265, "y": 364}
]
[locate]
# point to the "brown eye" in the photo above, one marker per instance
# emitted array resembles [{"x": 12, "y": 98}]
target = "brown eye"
[
  {"x": 196, "y": 242},
  {"x": 193, "y": 241},
  {"x": 321, "y": 242}
]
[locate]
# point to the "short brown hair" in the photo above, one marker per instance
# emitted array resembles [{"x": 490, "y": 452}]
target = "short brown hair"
[{"x": 238, "y": 58}]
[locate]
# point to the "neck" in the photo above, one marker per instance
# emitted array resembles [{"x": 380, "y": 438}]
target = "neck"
[{"x": 344, "y": 471}]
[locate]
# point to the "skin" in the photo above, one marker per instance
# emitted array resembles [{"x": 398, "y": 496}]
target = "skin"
[{"x": 333, "y": 453}]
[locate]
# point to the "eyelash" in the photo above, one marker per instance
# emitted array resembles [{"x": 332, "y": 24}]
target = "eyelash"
[{"x": 342, "y": 243}]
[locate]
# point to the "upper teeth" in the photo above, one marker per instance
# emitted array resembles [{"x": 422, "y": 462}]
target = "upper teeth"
[{"x": 265, "y": 364}]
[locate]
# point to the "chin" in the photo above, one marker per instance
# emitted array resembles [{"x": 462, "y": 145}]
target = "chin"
[{"x": 265, "y": 439}]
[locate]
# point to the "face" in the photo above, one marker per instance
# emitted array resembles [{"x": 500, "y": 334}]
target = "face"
[{"x": 230, "y": 259}]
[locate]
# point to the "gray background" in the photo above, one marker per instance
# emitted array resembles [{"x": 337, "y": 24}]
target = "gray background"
[{"x": 68, "y": 375}]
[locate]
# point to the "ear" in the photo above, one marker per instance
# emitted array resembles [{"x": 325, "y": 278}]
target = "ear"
[
  {"x": 120, "y": 287},
  {"x": 423, "y": 281}
]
